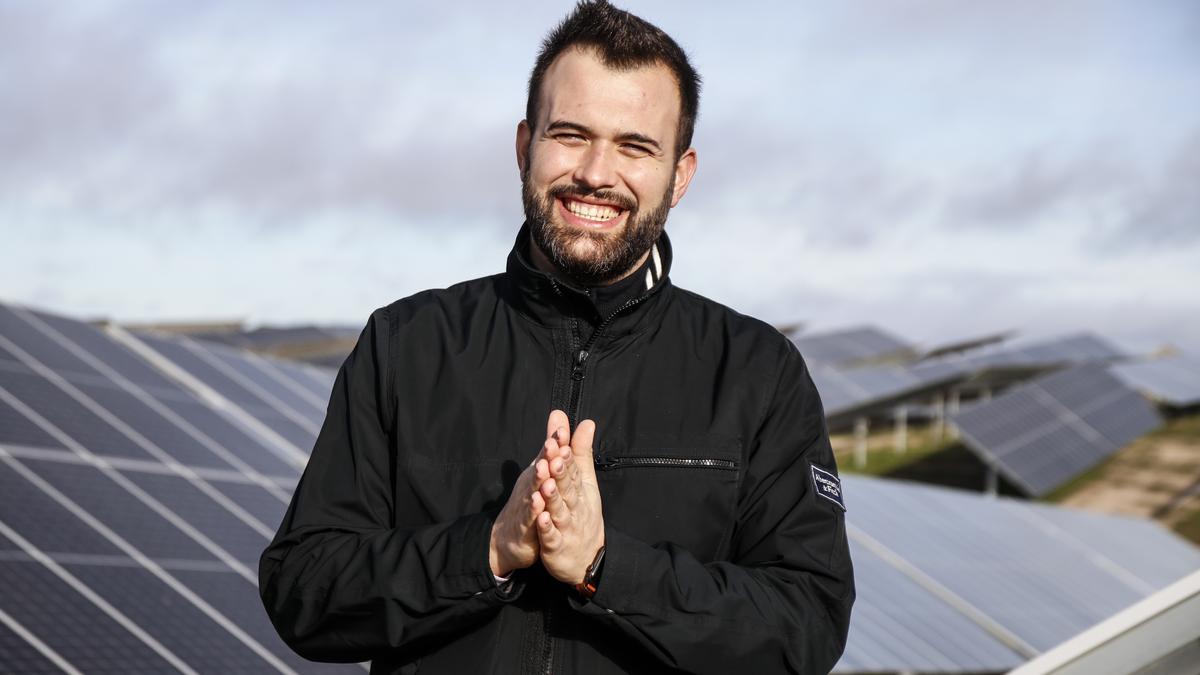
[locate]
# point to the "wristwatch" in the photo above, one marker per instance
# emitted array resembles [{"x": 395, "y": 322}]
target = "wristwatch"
[{"x": 591, "y": 578}]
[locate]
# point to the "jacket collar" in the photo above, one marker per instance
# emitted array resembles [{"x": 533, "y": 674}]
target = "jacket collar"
[{"x": 548, "y": 298}]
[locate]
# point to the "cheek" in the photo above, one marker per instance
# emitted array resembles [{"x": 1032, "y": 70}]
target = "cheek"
[
  {"x": 550, "y": 162},
  {"x": 648, "y": 183}
]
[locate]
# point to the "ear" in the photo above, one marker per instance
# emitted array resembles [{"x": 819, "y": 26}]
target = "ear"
[
  {"x": 685, "y": 168},
  {"x": 524, "y": 134}
]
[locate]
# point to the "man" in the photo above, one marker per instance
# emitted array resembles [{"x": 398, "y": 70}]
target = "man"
[{"x": 574, "y": 466}]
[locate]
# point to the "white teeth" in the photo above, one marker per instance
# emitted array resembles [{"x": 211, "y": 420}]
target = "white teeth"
[{"x": 592, "y": 211}]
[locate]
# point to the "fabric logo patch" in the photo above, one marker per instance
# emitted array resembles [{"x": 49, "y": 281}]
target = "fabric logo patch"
[{"x": 828, "y": 485}]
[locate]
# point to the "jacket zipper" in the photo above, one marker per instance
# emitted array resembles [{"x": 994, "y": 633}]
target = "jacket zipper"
[
  {"x": 577, "y": 374},
  {"x": 609, "y": 463},
  {"x": 580, "y": 363}
]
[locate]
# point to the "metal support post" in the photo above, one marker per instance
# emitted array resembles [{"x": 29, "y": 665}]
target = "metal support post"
[
  {"x": 900, "y": 439},
  {"x": 860, "y": 442}
]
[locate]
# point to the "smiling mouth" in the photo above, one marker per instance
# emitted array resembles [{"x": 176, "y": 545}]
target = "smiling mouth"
[{"x": 596, "y": 213}]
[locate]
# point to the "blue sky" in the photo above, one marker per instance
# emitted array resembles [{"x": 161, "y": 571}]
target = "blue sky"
[{"x": 939, "y": 168}]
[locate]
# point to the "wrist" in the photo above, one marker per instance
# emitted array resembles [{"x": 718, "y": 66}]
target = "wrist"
[
  {"x": 590, "y": 582},
  {"x": 499, "y": 566}
]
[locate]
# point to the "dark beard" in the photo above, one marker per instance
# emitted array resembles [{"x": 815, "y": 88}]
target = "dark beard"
[{"x": 613, "y": 255}]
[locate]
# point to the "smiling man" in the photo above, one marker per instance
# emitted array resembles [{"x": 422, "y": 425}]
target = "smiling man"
[{"x": 573, "y": 466}]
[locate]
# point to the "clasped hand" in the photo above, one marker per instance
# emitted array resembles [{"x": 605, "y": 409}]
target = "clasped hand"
[{"x": 554, "y": 513}]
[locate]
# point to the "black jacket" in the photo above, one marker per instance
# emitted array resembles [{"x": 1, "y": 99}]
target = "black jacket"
[{"x": 726, "y": 549}]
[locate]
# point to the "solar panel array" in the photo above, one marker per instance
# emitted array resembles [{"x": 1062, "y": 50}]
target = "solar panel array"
[
  {"x": 851, "y": 384},
  {"x": 136, "y": 500},
  {"x": 141, "y": 475},
  {"x": 1049, "y": 430},
  {"x": 1171, "y": 381},
  {"x": 949, "y": 581}
]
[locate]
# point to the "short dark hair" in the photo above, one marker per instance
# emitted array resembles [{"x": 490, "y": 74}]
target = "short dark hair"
[{"x": 623, "y": 42}]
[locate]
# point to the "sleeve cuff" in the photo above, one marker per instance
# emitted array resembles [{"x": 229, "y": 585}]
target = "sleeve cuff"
[{"x": 621, "y": 554}]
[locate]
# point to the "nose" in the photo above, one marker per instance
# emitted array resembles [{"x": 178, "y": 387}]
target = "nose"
[{"x": 597, "y": 167}]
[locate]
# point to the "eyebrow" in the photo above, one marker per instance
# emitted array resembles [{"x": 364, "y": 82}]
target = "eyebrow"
[{"x": 564, "y": 125}]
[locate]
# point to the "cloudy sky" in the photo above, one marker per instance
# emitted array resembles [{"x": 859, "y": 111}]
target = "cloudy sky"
[{"x": 936, "y": 167}]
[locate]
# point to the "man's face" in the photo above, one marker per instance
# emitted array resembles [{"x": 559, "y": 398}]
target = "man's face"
[{"x": 598, "y": 167}]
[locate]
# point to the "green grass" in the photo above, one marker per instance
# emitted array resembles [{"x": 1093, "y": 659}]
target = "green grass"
[
  {"x": 1189, "y": 527},
  {"x": 883, "y": 461},
  {"x": 1183, "y": 428},
  {"x": 1062, "y": 492}
]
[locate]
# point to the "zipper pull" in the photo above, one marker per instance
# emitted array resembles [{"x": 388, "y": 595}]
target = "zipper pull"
[
  {"x": 605, "y": 463},
  {"x": 577, "y": 371}
]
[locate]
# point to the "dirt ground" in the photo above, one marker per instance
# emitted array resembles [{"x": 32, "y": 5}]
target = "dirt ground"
[{"x": 1156, "y": 476}]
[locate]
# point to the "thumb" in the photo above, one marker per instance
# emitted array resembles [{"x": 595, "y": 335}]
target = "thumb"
[{"x": 581, "y": 442}]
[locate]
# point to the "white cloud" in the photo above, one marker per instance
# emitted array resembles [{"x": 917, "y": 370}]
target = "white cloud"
[{"x": 933, "y": 166}]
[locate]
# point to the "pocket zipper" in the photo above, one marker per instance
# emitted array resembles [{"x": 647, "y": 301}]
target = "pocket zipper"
[{"x": 609, "y": 463}]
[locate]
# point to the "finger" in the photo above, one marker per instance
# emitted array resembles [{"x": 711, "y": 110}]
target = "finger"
[
  {"x": 557, "y": 427},
  {"x": 555, "y": 505},
  {"x": 537, "y": 505},
  {"x": 548, "y": 449},
  {"x": 548, "y": 535}
]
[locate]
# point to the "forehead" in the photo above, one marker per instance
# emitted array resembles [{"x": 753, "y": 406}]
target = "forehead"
[{"x": 579, "y": 87}]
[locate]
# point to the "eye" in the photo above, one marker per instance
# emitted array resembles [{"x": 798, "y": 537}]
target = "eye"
[
  {"x": 635, "y": 150},
  {"x": 570, "y": 138}
]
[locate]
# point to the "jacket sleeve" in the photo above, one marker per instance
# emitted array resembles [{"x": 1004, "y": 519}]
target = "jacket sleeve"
[
  {"x": 339, "y": 581},
  {"x": 781, "y": 603}
]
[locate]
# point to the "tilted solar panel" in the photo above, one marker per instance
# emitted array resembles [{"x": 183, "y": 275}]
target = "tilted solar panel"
[
  {"x": 1038, "y": 573},
  {"x": 120, "y": 509},
  {"x": 1173, "y": 381},
  {"x": 851, "y": 345},
  {"x": 1045, "y": 432}
]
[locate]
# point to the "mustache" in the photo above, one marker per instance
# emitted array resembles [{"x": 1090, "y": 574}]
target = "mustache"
[{"x": 611, "y": 196}]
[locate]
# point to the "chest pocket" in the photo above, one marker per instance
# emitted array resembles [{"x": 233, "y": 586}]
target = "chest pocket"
[{"x": 683, "y": 493}]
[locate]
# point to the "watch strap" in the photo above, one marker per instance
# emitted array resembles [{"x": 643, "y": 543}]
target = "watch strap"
[{"x": 591, "y": 578}]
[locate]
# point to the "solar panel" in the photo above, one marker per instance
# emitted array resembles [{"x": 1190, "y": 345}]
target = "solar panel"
[
  {"x": 199, "y": 363},
  {"x": 84, "y": 392},
  {"x": 851, "y": 345},
  {"x": 88, "y": 341},
  {"x": 272, "y": 386},
  {"x": 73, "y": 627},
  {"x": 1041, "y": 355},
  {"x": 18, "y": 654},
  {"x": 898, "y": 623},
  {"x": 844, "y": 391},
  {"x": 965, "y": 570},
  {"x": 1171, "y": 381},
  {"x": 1049, "y": 430},
  {"x": 242, "y": 537}
]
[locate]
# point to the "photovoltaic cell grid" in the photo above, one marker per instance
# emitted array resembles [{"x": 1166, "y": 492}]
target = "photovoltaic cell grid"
[
  {"x": 846, "y": 391},
  {"x": 852, "y": 345},
  {"x": 1049, "y": 430},
  {"x": 133, "y": 509},
  {"x": 1171, "y": 381},
  {"x": 1056, "y": 352},
  {"x": 1033, "y": 575},
  {"x": 123, "y": 562}
]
